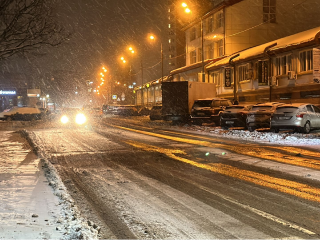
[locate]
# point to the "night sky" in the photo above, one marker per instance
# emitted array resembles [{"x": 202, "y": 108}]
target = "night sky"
[{"x": 101, "y": 32}]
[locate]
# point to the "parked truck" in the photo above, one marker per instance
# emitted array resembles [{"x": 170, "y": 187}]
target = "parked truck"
[{"x": 178, "y": 98}]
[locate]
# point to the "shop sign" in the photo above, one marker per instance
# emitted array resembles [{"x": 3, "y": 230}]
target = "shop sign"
[
  {"x": 8, "y": 92},
  {"x": 227, "y": 77},
  {"x": 263, "y": 73}
]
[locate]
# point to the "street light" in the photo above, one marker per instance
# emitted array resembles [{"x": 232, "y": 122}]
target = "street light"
[
  {"x": 188, "y": 11},
  {"x": 152, "y": 37}
]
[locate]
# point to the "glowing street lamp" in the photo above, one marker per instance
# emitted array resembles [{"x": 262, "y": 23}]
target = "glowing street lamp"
[
  {"x": 187, "y": 10},
  {"x": 153, "y": 38}
]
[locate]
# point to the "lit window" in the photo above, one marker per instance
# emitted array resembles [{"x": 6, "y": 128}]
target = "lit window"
[{"x": 169, "y": 26}]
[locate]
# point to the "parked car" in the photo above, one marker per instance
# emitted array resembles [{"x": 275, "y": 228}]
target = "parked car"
[
  {"x": 208, "y": 110},
  {"x": 109, "y": 108},
  {"x": 156, "y": 113},
  {"x": 127, "y": 110},
  {"x": 260, "y": 115},
  {"x": 72, "y": 117},
  {"x": 21, "y": 113},
  {"x": 301, "y": 117},
  {"x": 235, "y": 116}
]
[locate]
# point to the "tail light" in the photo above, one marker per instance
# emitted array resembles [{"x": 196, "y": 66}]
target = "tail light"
[{"x": 300, "y": 115}]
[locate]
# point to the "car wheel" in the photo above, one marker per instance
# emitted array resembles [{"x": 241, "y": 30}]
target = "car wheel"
[
  {"x": 251, "y": 129},
  {"x": 307, "y": 128}
]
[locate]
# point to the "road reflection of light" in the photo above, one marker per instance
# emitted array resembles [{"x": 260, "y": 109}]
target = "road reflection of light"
[
  {"x": 251, "y": 150},
  {"x": 286, "y": 186}
]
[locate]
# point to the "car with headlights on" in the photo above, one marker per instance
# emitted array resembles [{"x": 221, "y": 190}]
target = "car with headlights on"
[
  {"x": 72, "y": 117},
  {"x": 300, "y": 117},
  {"x": 235, "y": 116},
  {"x": 260, "y": 115}
]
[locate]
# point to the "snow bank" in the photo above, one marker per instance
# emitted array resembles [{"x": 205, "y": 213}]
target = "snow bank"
[{"x": 75, "y": 226}]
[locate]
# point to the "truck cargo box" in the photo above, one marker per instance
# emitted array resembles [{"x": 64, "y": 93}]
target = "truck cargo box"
[{"x": 178, "y": 98}]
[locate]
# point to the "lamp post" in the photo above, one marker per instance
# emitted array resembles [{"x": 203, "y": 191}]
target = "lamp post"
[
  {"x": 152, "y": 37},
  {"x": 188, "y": 11}
]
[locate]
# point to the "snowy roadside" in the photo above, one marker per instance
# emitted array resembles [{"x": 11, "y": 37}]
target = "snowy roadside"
[
  {"x": 311, "y": 140},
  {"x": 74, "y": 225}
]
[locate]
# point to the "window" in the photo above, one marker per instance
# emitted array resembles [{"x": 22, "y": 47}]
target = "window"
[
  {"x": 219, "y": 48},
  {"x": 199, "y": 54},
  {"x": 193, "y": 34},
  {"x": 169, "y": 25},
  {"x": 306, "y": 61},
  {"x": 210, "y": 24},
  {"x": 243, "y": 73},
  {"x": 193, "y": 57},
  {"x": 208, "y": 52},
  {"x": 219, "y": 20},
  {"x": 282, "y": 65},
  {"x": 269, "y": 11}
]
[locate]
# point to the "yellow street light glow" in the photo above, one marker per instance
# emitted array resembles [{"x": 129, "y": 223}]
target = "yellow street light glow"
[
  {"x": 124, "y": 61},
  {"x": 132, "y": 51},
  {"x": 187, "y": 10},
  {"x": 184, "y": 5},
  {"x": 152, "y": 37},
  {"x": 102, "y": 79},
  {"x": 122, "y": 58},
  {"x": 130, "y": 48}
]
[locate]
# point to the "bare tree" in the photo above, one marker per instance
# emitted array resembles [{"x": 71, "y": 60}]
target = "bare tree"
[{"x": 28, "y": 24}]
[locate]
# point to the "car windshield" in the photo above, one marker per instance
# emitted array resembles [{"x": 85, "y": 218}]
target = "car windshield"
[
  {"x": 202, "y": 103},
  {"x": 261, "y": 108},
  {"x": 234, "y": 107},
  {"x": 286, "y": 109}
]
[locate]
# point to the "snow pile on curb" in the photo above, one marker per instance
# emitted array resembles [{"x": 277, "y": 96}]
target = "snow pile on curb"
[
  {"x": 256, "y": 136},
  {"x": 75, "y": 226}
]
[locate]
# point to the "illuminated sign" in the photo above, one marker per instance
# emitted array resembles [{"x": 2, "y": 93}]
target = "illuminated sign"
[
  {"x": 3, "y": 92},
  {"x": 114, "y": 97}
]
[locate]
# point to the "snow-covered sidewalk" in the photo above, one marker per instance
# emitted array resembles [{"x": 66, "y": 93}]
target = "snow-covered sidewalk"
[{"x": 34, "y": 202}]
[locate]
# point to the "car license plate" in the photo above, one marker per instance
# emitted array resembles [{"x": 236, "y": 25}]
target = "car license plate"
[
  {"x": 229, "y": 122},
  {"x": 284, "y": 118}
]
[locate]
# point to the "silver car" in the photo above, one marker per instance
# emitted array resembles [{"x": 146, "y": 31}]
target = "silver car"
[
  {"x": 260, "y": 115},
  {"x": 301, "y": 117}
]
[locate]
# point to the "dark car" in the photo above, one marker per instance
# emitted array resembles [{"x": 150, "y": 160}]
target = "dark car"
[
  {"x": 235, "y": 116},
  {"x": 109, "y": 108},
  {"x": 156, "y": 113},
  {"x": 301, "y": 117},
  {"x": 208, "y": 110},
  {"x": 127, "y": 110},
  {"x": 260, "y": 115}
]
